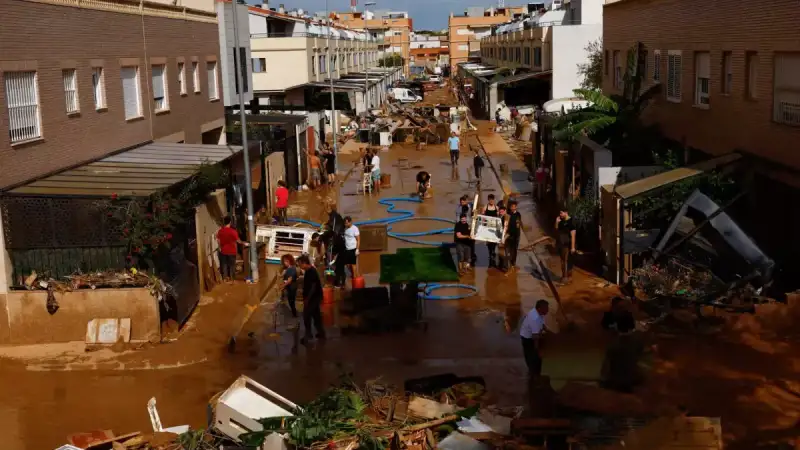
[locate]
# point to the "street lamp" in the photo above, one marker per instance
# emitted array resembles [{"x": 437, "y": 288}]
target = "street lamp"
[
  {"x": 329, "y": 66},
  {"x": 248, "y": 190},
  {"x": 366, "y": 69}
]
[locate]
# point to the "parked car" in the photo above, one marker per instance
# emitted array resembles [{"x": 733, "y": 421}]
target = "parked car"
[
  {"x": 404, "y": 95},
  {"x": 436, "y": 78}
]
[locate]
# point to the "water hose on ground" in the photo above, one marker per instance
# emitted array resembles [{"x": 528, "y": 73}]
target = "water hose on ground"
[
  {"x": 426, "y": 293},
  {"x": 404, "y": 215}
]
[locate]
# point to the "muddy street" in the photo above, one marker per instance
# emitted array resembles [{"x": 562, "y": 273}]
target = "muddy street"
[{"x": 740, "y": 372}]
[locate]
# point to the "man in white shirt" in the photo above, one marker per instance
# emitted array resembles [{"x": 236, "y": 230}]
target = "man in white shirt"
[
  {"x": 352, "y": 241},
  {"x": 376, "y": 171},
  {"x": 530, "y": 332}
]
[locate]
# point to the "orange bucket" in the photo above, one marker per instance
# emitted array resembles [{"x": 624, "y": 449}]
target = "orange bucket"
[
  {"x": 328, "y": 295},
  {"x": 358, "y": 283}
]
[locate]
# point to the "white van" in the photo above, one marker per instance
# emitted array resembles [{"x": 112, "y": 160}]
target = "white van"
[
  {"x": 435, "y": 78},
  {"x": 404, "y": 95}
]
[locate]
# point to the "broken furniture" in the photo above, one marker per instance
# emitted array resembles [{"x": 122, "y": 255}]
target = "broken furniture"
[
  {"x": 281, "y": 240},
  {"x": 238, "y": 408}
]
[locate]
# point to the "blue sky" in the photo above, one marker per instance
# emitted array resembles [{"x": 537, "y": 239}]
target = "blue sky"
[{"x": 427, "y": 14}]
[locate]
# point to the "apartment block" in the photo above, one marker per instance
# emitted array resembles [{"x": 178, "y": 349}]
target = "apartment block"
[
  {"x": 731, "y": 77},
  {"x": 467, "y": 30},
  {"x": 82, "y": 80},
  {"x": 294, "y": 54},
  {"x": 395, "y": 27},
  {"x": 730, "y": 81}
]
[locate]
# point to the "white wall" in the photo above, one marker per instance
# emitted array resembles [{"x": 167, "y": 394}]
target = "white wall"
[
  {"x": 226, "y": 46},
  {"x": 569, "y": 50},
  {"x": 590, "y": 11},
  {"x": 258, "y": 24}
]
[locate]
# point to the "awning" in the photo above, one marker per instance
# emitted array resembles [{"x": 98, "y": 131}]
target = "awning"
[
  {"x": 522, "y": 76},
  {"x": 338, "y": 86},
  {"x": 137, "y": 172},
  {"x": 648, "y": 184}
]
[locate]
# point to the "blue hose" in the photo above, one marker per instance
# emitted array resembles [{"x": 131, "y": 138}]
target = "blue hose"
[
  {"x": 426, "y": 293},
  {"x": 404, "y": 215}
]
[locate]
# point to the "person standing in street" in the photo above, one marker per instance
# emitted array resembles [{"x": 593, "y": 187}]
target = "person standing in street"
[
  {"x": 513, "y": 234},
  {"x": 502, "y": 263},
  {"x": 290, "y": 282},
  {"x": 463, "y": 243},
  {"x": 454, "y": 144},
  {"x": 281, "y": 201},
  {"x": 352, "y": 242},
  {"x": 375, "y": 163},
  {"x": 316, "y": 170},
  {"x": 312, "y": 301},
  {"x": 330, "y": 164},
  {"x": 477, "y": 164},
  {"x": 566, "y": 243},
  {"x": 530, "y": 333},
  {"x": 228, "y": 238},
  {"x": 491, "y": 210},
  {"x": 465, "y": 208}
]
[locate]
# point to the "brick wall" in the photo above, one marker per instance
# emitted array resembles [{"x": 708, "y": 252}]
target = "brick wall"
[
  {"x": 732, "y": 121},
  {"x": 50, "y": 38}
]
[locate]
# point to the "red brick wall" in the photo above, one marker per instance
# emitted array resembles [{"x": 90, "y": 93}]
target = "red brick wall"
[
  {"x": 54, "y": 37},
  {"x": 732, "y": 121}
]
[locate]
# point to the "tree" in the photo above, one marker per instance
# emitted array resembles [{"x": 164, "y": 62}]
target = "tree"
[
  {"x": 592, "y": 69},
  {"x": 393, "y": 60},
  {"x": 615, "y": 121}
]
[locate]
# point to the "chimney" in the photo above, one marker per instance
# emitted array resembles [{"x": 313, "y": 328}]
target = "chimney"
[
  {"x": 265, "y": 4},
  {"x": 282, "y": 8}
]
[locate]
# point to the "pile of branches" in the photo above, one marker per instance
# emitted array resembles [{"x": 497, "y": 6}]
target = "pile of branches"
[
  {"x": 673, "y": 278},
  {"x": 91, "y": 280}
]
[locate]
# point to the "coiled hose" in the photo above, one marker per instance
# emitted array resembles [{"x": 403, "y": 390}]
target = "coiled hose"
[
  {"x": 426, "y": 292},
  {"x": 404, "y": 215}
]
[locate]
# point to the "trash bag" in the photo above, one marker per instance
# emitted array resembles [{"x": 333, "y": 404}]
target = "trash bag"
[{"x": 52, "y": 303}]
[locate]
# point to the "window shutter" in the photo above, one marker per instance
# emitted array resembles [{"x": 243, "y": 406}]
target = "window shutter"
[
  {"x": 703, "y": 65},
  {"x": 211, "y": 71},
  {"x": 130, "y": 92},
  {"x": 158, "y": 82},
  {"x": 677, "y": 77}
]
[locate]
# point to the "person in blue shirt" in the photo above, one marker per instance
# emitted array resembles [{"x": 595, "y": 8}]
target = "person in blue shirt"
[{"x": 454, "y": 144}]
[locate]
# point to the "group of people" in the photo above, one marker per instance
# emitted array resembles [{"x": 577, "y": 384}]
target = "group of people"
[
  {"x": 323, "y": 167},
  {"x": 511, "y": 222},
  {"x": 312, "y": 294}
]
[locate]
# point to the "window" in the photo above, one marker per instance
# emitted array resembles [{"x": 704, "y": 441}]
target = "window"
[
  {"x": 70, "y": 78},
  {"x": 657, "y": 66},
  {"x": 313, "y": 65},
  {"x": 22, "y": 99},
  {"x": 617, "y": 70},
  {"x": 131, "y": 92},
  {"x": 99, "y": 87},
  {"x": 211, "y": 70},
  {"x": 605, "y": 63},
  {"x": 322, "y": 64},
  {"x": 333, "y": 62},
  {"x": 674, "y": 71},
  {"x": 702, "y": 70},
  {"x": 727, "y": 72},
  {"x": 259, "y": 65},
  {"x": 159, "y": 75},
  {"x": 527, "y": 56},
  {"x": 752, "y": 75},
  {"x": 786, "y": 96},
  {"x": 537, "y": 57},
  {"x": 196, "y": 76},
  {"x": 182, "y": 78}
]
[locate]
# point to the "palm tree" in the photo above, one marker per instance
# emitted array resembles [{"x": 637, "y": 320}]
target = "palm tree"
[{"x": 615, "y": 121}]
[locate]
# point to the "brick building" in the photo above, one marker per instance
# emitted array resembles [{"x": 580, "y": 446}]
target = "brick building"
[
  {"x": 394, "y": 27},
  {"x": 731, "y": 82},
  {"x": 81, "y": 80},
  {"x": 467, "y": 30}
]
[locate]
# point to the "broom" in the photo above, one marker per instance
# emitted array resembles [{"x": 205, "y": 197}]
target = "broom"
[{"x": 568, "y": 324}]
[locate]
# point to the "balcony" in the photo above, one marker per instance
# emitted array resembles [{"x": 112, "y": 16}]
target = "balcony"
[{"x": 338, "y": 35}]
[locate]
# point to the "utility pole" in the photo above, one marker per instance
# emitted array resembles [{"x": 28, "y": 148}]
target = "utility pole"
[
  {"x": 329, "y": 66},
  {"x": 248, "y": 188},
  {"x": 366, "y": 70}
]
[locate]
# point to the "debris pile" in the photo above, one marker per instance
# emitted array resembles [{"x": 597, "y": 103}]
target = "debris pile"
[{"x": 92, "y": 280}]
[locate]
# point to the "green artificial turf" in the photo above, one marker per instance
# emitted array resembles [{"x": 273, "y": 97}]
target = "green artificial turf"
[{"x": 418, "y": 264}]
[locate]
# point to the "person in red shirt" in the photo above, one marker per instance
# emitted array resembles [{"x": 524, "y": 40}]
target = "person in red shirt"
[
  {"x": 228, "y": 239},
  {"x": 281, "y": 201}
]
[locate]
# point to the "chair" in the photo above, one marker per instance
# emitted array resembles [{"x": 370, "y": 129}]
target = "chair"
[{"x": 366, "y": 183}]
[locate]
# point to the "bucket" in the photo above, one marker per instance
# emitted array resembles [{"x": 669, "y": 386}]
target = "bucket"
[
  {"x": 358, "y": 283},
  {"x": 328, "y": 295}
]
